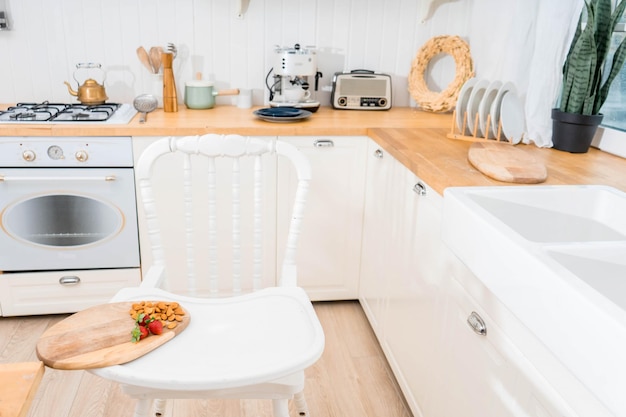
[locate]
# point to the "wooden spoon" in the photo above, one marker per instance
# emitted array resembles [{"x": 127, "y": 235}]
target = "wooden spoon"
[
  {"x": 144, "y": 58},
  {"x": 155, "y": 58}
]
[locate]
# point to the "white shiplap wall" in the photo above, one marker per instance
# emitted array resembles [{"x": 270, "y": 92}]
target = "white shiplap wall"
[{"x": 49, "y": 37}]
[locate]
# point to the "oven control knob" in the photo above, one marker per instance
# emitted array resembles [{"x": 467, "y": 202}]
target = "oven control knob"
[
  {"x": 29, "y": 155},
  {"x": 81, "y": 156}
]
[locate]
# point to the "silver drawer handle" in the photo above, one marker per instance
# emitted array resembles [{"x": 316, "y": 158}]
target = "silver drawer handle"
[
  {"x": 69, "y": 280},
  {"x": 420, "y": 188},
  {"x": 324, "y": 143},
  {"x": 378, "y": 154},
  {"x": 477, "y": 324}
]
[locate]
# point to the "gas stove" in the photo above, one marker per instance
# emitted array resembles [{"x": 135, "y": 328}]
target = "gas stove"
[{"x": 48, "y": 113}]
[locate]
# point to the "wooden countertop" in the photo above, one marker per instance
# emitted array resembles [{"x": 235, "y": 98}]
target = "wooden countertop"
[
  {"x": 230, "y": 119},
  {"x": 442, "y": 162},
  {"x": 416, "y": 138},
  {"x": 18, "y": 385}
]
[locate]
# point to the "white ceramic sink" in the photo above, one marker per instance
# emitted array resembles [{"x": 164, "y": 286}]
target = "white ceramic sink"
[
  {"x": 555, "y": 256},
  {"x": 557, "y": 214},
  {"x": 603, "y": 267}
]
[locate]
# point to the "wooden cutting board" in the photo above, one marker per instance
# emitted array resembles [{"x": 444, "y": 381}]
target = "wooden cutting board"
[
  {"x": 99, "y": 336},
  {"x": 505, "y": 162}
]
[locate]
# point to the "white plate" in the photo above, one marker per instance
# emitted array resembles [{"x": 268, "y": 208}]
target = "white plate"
[
  {"x": 461, "y": 104},
  {"x": 472, "y": 105},
  {"x": 494, "y": 111},
  {"x": 485, "y": 106},
  {"x": 512, "y": 117}
]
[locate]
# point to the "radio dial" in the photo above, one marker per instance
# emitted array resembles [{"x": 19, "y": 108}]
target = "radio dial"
[
  {"x": 29, "y": 155},
  {"x": 81, "y": 156}
]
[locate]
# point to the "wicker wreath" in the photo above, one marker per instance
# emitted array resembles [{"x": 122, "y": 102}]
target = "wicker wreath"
[{"x": 445, "y": 100}]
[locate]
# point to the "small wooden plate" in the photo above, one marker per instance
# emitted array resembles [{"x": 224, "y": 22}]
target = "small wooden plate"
[
  {"x": 505, "y": 162},
  {"x": 97, "y": 337}
]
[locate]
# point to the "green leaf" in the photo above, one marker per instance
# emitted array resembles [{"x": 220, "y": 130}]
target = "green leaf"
[
  {"x": 602, "y": 37},
  {"x": 579, "y": 29},
  {"x": 135, "y": 334},
  {"x": 578, "y": 80},
  {"x": 618, "y": 62},
  {"x": 585, "y": 84}
]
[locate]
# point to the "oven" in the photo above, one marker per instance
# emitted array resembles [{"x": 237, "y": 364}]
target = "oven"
[
  {"x": 59, "y": 218},
  {"x": 68, "y": 223}
]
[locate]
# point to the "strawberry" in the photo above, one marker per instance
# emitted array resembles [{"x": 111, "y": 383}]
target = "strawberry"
[
  {"x": 155, "y": 327},
  {"x": 138, "y": 333},
  {"x": 143, "y": 319},
  {"x": 144, "y": 332}
]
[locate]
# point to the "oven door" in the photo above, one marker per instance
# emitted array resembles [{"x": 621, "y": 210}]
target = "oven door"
[{"x": 67, "y": 218}]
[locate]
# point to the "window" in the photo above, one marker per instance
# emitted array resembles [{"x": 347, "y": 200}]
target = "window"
[{"x": 614, "y": 109}]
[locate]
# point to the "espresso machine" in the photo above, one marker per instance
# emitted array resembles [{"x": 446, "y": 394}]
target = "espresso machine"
[{"x": 294, "y": 67}]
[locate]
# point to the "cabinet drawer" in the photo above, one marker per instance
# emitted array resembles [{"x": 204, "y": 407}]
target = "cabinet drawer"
[{"x": 61, "y": 291}]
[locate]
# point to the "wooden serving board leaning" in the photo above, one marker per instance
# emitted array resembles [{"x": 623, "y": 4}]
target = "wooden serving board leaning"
[
  {"x": 506, "y": 163},
  {"x": 97, "y": 337}
]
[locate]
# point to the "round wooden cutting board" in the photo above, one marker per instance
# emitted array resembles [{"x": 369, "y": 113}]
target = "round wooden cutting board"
[
  {"x": 505, "y": 162},
  {"x": 99, "y": 336}
]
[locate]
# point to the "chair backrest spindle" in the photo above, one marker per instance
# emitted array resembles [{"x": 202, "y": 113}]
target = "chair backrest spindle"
[
  {"x": 212, "y": 233},
  {"x": 189, "y": 224},
  {"x": 257, "y": 270},
  {"x": 236, "y": 212}
]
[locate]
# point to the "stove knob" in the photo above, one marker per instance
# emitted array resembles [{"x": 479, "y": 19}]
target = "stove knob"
[
  {"x": 29, "y": 155},
  {"x": 81, "y": 156}
]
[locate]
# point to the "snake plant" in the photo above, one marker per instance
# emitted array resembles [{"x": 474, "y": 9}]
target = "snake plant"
[{"x": 585, "y": 80}]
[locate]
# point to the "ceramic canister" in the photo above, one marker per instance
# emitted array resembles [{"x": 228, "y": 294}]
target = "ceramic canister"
[{"x": 199, "y": 94}]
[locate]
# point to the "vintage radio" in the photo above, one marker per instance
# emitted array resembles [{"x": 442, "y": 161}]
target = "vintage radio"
[{"x": 361, "y": 90}]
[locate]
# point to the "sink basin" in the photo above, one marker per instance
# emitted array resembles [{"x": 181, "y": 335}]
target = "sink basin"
[
  {"x": 555, "y": 256},
  {"x": 601, "y": 267},
  {"x": 557, "y": 214}
]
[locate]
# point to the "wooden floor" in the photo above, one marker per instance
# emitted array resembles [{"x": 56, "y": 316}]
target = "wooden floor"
[{"x": 352, "y": 379}]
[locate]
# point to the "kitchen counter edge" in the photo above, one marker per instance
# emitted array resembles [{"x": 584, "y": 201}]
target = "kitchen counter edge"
[{"x": 416, "y": 138}]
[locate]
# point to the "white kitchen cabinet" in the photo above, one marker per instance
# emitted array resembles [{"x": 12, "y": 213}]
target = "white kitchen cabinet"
[
  {"x": 410, "y": 290},
  {"x": 28, "y": 293},
  {"x": 488, "y": 374},
  {"x": 401, "y": 271},
  {"x": 330, "y": 243},
  {"x": 382, "y": 177},
  {"x": 168, "y": 192},
  {"x": 413, "y": 321},
  {"x": 476, "y": 377}
]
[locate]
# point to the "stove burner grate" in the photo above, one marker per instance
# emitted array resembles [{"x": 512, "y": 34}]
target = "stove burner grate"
[{"x": 58, "y": 112}]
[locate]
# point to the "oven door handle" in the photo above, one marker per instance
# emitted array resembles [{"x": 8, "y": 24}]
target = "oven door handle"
[{"x": 9, "y": 178}]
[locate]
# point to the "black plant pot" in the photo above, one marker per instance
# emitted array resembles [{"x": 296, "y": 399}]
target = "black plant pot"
[{"x": 572, "y": 132}]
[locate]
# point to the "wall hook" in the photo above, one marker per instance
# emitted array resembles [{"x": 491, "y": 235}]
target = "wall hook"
[{"x": 242, "y": 7}]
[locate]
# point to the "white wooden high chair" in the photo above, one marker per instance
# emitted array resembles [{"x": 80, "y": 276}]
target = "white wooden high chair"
[{"x": 248, "y": 345}]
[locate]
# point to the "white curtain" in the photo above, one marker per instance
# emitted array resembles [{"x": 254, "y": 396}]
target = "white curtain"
[
  {"x": 520, "y": 41},
  {"x": 529, "y": 41},
  {"x": 555, "y": 27}
]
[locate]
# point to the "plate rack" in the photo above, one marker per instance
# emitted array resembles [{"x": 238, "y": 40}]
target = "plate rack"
[{"x": 455, "y": 133}]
